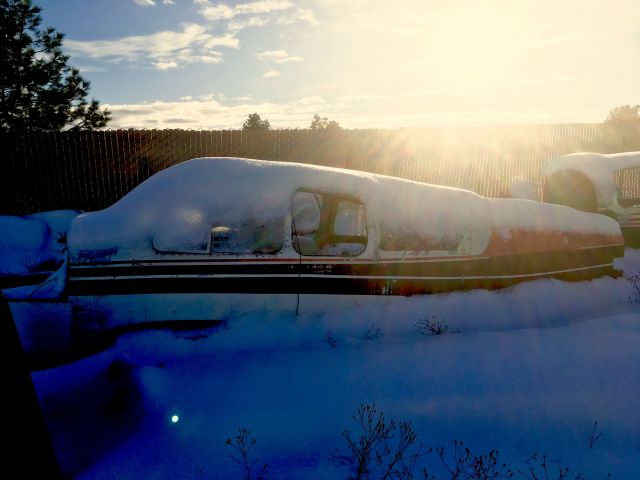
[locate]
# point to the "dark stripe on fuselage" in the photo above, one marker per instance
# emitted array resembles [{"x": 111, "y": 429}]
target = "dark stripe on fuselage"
[{"x": 391, "y": 277}]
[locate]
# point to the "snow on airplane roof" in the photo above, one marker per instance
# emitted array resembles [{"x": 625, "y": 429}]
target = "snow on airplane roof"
[
  {"x": 179, "y": 205},
  {"x": 600, "y": 168}
]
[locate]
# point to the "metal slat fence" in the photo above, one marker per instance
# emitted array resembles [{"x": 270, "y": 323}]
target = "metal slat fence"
[{"x": 91, "y": 170}]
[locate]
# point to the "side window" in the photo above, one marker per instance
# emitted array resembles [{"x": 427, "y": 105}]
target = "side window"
[
  {"x": 328, "y": 224},
  {"x": 350, "y": 219},
  {"x": 250, "y": 236},
  {"x": 398, "y": 239}
]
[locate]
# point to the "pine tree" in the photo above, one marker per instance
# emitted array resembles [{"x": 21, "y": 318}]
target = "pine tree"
[
  {"x": 38, "y": 90},
  {"x": 622, "y": 128},
  {"x": 254, "y": 122},
  {"x": 323, "y": 123}
]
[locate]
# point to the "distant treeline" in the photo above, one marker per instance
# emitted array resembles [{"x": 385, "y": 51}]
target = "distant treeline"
[{"x": 90, "y": 170}]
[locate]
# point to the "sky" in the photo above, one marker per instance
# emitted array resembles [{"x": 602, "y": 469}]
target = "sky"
[{"x": 208, "y": 64}]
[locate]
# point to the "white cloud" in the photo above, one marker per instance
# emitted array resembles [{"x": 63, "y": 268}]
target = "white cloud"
[
  {"x": 221, "y": 11},
  {"x": 213, "y": 96},
  {"x": 152, "y": 3},
  {"x": 162, "y": 50},
  {"x": 165, "y": 65},
  {"x": 271, "y": 74},
  {"x": 263, "y": 6},
  {"x": 237, "y": 25},
  {"x": 91, "y": 69},
  {"x": 255, "y": 14},
  {"x": 277, "y": 56},
  {"x": 301, "y": 14},
  {"x": 217, "y": 12}
]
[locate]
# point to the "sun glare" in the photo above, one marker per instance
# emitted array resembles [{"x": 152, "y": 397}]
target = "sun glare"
[
  {"x": 477, "y": 49},
  {"x": 466, "y": 51},
  {"x": 472, "y": 54}
]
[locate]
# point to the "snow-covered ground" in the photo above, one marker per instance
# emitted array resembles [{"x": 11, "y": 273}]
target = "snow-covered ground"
[{"x": 530, "y": 371}]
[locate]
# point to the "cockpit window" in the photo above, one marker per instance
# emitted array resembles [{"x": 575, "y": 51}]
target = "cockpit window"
[
  {"x": 306, "y": 212},
  {"x": 350, "y": 219},
  {"x": 328, "y": 224}
]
